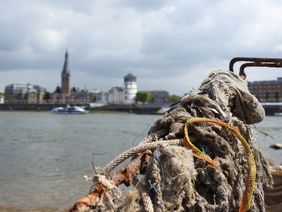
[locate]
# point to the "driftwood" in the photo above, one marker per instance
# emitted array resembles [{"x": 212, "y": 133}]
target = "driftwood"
[{"x": 166, "y": 175}]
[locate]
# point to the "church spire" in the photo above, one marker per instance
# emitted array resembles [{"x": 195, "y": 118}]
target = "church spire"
[
  {"x": 66, "y": 76},
  {"x": 65, "y": 68}
]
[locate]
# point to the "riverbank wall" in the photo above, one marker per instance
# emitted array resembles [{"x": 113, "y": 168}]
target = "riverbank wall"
[
  {"x": 270, "y": 110},
  {"x": 134, "y": 108}
]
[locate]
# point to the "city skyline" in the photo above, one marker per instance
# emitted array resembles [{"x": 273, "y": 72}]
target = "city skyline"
[{"x": 168, "y": 45}]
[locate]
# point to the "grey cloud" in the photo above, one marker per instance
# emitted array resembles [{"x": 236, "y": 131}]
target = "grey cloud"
[
  {"x": 145, "y": 5},
  {"x": 154, "y": 39}
]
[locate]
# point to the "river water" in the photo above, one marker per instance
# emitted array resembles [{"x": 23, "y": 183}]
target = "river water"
[{"x": 44, "y": 156}]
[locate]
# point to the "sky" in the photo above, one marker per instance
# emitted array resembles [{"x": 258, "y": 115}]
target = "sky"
[{"x": 167, "y": 44}]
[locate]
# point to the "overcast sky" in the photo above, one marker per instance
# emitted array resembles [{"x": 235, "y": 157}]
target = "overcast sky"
[{"x": 166, "y": 44}]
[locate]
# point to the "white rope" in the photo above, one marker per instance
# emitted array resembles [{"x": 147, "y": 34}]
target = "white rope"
[{"x": 134, "y": 150}]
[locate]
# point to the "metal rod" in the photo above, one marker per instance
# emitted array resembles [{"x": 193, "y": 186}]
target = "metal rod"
[{"x": 254, "y": 62}]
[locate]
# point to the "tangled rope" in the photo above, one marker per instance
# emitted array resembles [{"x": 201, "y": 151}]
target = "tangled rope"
[
  {"x": 134, "y": 150},
  {"x": 248, "y": 193},
  {"x": 173, "y": 180}
]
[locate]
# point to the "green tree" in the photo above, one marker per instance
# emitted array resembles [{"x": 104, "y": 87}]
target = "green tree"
[
  {"x": 47, "y": 96},
  {"x": 174, "y": 98},
  {"x": 143, "y": 96}
]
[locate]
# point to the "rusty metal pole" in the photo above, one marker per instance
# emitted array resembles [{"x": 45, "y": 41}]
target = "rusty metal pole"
[{"x": 254, "y": 62}]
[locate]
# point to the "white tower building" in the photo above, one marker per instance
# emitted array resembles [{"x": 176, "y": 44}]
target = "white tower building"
[{"x": 130, "y": 89}]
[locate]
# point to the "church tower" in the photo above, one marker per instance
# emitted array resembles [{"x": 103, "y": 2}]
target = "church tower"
[{"x": 66, "y": 87}]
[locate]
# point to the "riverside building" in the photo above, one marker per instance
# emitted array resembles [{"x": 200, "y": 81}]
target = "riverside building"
[
  {"x": 24, "y": 94},
  {"x": 119, "y": 95},
  {"x": 1, "y": 98},
  {"x": 130, "y": 89},
  {"x": 267, "y": 91}
]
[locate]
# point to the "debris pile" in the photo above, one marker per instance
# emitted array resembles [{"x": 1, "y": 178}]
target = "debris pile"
[{"x": 207, "y": 169}]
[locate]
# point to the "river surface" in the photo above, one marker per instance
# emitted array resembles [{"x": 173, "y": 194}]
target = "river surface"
[{"x": 43, "y": 156}]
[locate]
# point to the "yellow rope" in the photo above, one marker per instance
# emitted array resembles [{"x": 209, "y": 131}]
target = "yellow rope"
[{"x": 248, "y": 193}]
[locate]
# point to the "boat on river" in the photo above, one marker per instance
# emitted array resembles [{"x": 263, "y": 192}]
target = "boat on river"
[{"x": 69, "y": 110}]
